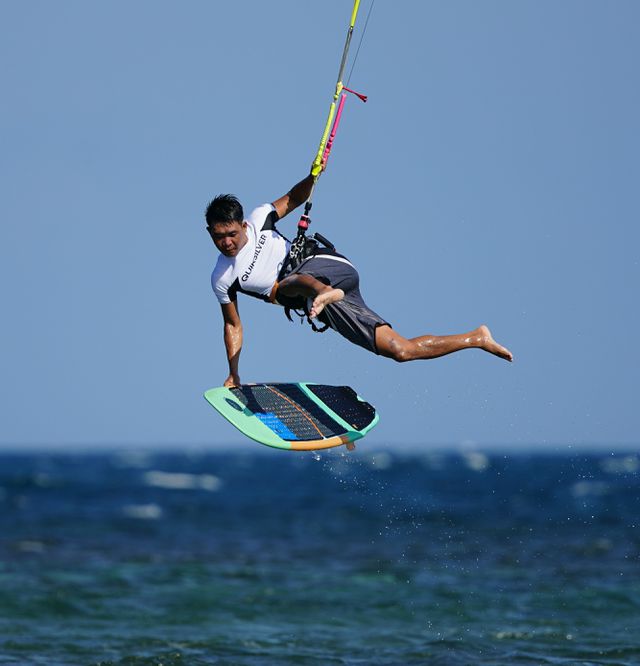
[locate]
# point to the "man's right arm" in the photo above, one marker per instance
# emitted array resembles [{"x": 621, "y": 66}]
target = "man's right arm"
[
  {"x": 297, "y": 195},
  {"x": 232, "y": 340}
]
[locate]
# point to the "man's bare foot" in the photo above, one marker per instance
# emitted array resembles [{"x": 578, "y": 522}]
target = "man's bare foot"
[
  {"x": 326, "y": 297},
  {"x": 486, "y": 342}
]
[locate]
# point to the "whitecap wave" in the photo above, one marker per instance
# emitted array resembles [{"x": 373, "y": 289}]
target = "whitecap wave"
[
  {"x": 143, "y": 511},
  {"x": 182, "y": 481}
]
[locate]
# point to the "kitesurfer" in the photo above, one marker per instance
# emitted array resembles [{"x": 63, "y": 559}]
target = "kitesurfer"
[{"x": 253, "y": 260}]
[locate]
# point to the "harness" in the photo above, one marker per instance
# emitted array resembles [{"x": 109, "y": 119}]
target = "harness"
[{"x": 301, "y": 249}]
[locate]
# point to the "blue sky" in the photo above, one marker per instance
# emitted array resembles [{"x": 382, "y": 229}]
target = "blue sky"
[{"x": 491, "y": 178}]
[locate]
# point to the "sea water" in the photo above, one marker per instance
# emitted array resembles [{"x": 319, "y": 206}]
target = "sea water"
[{"x": 269, "y": 557}]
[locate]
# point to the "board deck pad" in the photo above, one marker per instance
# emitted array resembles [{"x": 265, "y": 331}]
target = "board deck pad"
[{"x": 299, "y": 416}]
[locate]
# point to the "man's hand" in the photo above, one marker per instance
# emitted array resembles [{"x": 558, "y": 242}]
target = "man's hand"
[
  {"x": 231, "y": 381},
  {"x": 317, "y": 169}
]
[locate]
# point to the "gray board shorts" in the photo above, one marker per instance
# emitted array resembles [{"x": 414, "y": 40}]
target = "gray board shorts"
[{"x": 351, "y": 317}]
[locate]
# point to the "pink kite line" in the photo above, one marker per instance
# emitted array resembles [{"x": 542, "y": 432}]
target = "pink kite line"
[{"x": 334, "y": 129}]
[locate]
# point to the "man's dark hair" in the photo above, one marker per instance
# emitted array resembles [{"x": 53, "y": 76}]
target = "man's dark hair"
[{"x": 224, "y": 208}]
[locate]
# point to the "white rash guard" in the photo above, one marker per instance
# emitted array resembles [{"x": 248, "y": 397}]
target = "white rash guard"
[{"x": 254, "y": 270}]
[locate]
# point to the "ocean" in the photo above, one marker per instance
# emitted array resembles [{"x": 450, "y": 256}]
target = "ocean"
[{"x": 260, "y": 557}]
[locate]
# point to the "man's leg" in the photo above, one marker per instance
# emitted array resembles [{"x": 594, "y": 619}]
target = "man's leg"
[
  {"x": 308, "y": 287},
  {"x": 392, "y": 345}
]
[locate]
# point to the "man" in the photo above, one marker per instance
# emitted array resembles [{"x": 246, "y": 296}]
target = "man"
[{"x": 326, "y": 285}]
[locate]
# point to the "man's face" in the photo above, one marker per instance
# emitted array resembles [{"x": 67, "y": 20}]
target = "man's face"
[{"x": 229, "y": 237}]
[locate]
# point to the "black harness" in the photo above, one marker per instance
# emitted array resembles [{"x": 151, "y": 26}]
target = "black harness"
[{"x": 301, "y": 249}]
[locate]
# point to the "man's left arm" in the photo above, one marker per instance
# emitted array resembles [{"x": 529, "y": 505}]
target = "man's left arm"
[{"x": 297, "y": 195}]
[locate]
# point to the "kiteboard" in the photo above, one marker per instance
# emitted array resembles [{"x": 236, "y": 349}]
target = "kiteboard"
[{"x": 298, "y": 416}]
